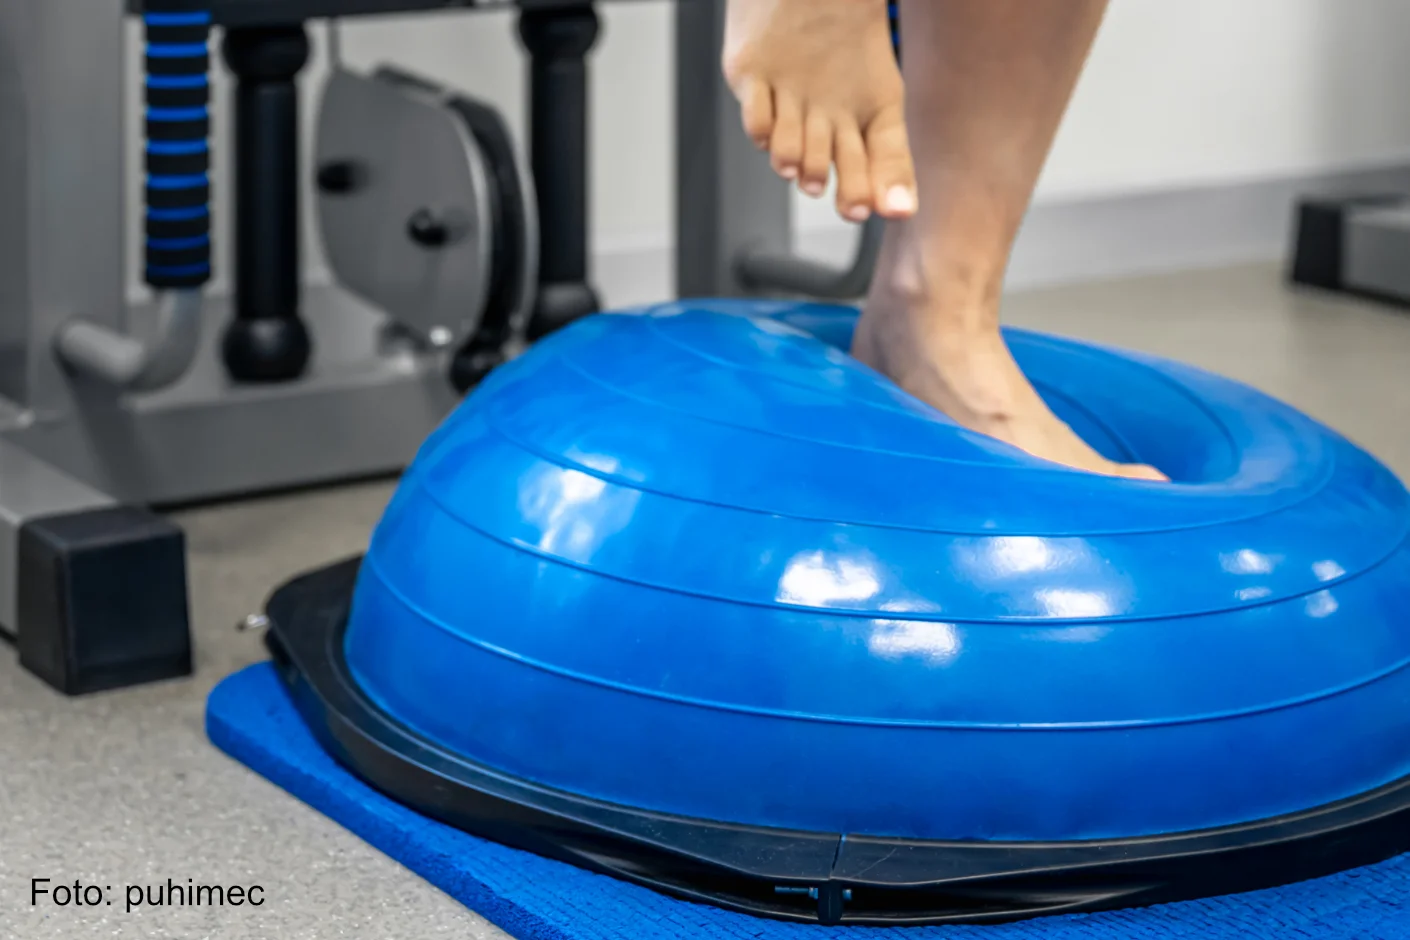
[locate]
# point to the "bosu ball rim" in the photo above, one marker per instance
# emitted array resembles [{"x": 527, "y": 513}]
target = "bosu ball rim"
[{"x": 809, "y": 877}]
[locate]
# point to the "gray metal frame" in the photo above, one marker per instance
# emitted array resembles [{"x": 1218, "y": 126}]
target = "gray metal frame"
[
  {"x": 69, "y": 444},
  {"x": 734, "y": 219},
  {"x": 729, "y": 202}
]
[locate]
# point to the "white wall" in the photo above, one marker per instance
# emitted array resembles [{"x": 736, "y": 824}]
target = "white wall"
[
  {"x": 1176, "y": 94},
  {"x": 1207, "y": 91}
]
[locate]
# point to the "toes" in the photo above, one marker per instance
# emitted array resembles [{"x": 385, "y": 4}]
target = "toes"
[
  {"x": 756, "y": 103},
  {"x": 1143, "y": 472},
  {"x": 786, "y": 142},
  {"x": 817, "y": 153},
  {"x": 853, "y": 184},
  {"x": 1140, "y": 471},
  {"x": 893, "y": 177}
]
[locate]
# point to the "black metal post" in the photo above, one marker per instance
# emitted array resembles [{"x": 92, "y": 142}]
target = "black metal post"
[
  {"x": 266, "y": 341},
  {"x": 558, "y": 41}
]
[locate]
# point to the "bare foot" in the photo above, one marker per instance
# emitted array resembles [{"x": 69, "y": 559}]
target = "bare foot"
[
  {"x": 819, "y": 86},
  {"x": 971, "y": 376}
]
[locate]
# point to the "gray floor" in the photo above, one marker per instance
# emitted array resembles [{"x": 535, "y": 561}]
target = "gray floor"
[{"x": 122, "y": 788}]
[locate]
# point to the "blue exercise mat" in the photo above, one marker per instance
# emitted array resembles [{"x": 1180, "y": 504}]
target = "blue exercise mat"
[{"x": 250, "y": 717}]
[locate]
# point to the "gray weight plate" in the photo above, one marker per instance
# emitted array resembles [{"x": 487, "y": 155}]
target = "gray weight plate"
[{"x": 403, "y": 204}]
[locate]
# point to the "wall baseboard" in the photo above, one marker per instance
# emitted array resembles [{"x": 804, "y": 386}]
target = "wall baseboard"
[
  {"x": 1088, "y": 239},
  {"x": 1066, "y": 241}
]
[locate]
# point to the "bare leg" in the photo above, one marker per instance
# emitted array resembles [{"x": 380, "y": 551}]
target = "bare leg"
[
  {"x": 987, "y": 82},
  {"x": 819, "y": 87}
]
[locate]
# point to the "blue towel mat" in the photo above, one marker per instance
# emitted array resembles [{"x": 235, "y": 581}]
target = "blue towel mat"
[{"x": 250, "y": 717}]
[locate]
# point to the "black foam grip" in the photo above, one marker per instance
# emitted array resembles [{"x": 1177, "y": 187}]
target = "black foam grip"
[
  {"x": 184, "y": 65},
  {"x": 178, "y": 263},
  {"x": 177, "y": 35},
  {"x": 197, "y": 97},
  {"x": 166, "y": 280},
  {"x": 198, "y": 129},
  {"x": 178, "y": 164},
  {"x": 191, "y": 197},
  {"x": 178, "y": 228},
  {"x": 176, "y": 6},
  {"x": 177, "y": 257}
]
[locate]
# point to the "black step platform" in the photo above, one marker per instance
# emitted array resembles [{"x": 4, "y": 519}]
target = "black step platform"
[
  {"x": 102, "y": 599},
  {"x": 1354, "y": 244}
]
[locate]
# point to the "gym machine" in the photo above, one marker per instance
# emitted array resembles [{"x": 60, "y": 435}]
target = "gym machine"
[
  {"x": 1355, "y": 244},
  {"x": 450, "y": 253}
]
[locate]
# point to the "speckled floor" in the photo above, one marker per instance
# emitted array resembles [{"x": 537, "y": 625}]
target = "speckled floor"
[{"x": 122, "y": 789}]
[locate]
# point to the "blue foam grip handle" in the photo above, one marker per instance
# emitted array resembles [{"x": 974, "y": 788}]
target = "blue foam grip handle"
[{"x": 177, "y": 147}]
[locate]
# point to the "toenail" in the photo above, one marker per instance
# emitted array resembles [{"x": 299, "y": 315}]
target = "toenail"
[
  {"x": 858, "y": 213},
  {"x": 813, "y": 188},
  {"x": 900, "y": 199},
  {"x": 788, "y": 172}
]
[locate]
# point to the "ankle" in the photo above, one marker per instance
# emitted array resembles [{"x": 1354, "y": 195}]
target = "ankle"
[
  {"x": 944, "y": 324},
  {"x": 968, "y": 372},
  {"x": 954, "y": 298}
]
